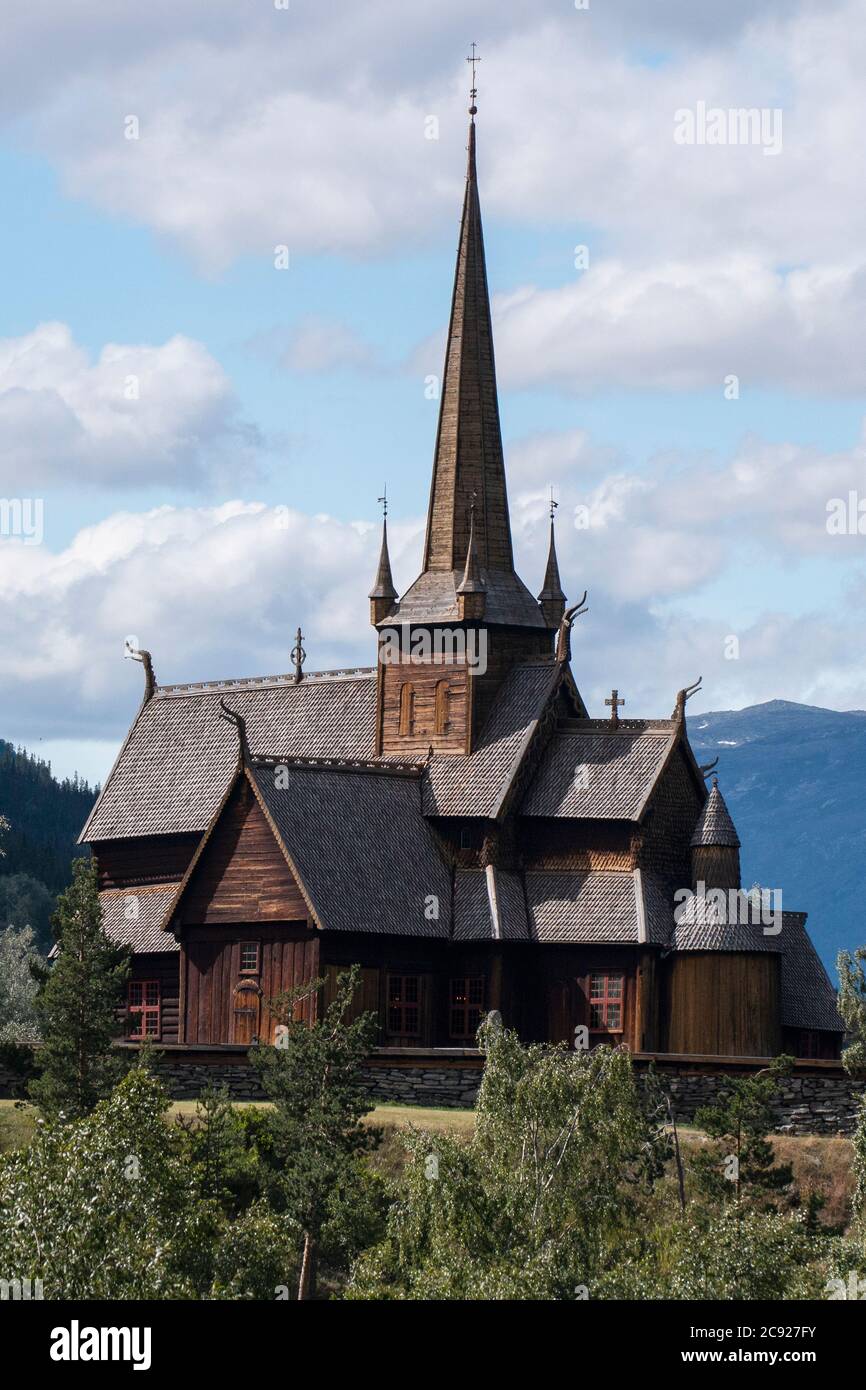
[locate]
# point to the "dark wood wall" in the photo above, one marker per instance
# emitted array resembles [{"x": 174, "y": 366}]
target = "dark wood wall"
[
  {"x": 218, "y": 998},
  {"x": 242, "y": 875},
  {"x": 149, "y": 859},
  {"x": 722, "y": 1004}
]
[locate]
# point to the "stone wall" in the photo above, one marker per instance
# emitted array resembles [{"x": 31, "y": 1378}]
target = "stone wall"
[{"x": 813, "y": 1100}]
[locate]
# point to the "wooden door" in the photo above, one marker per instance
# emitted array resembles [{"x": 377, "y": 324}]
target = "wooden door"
[{"x": 246, "y": 1013}]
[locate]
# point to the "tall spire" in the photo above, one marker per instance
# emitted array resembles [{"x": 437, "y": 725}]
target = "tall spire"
[
  {"x": 468, "y": 458},
  {"x": 471, "y": 591},
  {"x": 552, "y": 597},
  {"x": 383, "y": 594}
]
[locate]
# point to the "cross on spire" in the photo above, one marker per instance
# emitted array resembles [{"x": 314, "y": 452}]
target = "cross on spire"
[
  {"x": 614, "y": 703},
  {"x": 473, "y": 60}
]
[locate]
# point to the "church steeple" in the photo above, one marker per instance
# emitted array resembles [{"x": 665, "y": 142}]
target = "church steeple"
[
  {"x": 468, "y": 457},
  {"x": 552, "y": 598},
  {"x": 471, "y": 591},
  {"x": 383, "y": 594}
]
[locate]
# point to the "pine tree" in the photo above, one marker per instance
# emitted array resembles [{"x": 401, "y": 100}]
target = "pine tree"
[
  {"x": 313, "y": 1078},
  {"x": 77, "y": 1005}
]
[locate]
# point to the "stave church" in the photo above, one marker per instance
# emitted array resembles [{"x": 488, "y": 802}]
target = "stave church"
[{"x": 452, "y": 818}]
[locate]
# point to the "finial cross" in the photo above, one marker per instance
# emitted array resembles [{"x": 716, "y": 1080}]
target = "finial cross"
[
  {"x": 298, "y": 656},
  {"x": 614, "y": 703},
  {"x": 473, "y": 60}
]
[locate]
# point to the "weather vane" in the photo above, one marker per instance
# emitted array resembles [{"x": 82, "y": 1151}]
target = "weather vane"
[
  {"x": 384, "y": 500},
  {"x": 298, "y": 656},
  {"x": 553, "y": 504},
  {"x": 473, "y": 59}
]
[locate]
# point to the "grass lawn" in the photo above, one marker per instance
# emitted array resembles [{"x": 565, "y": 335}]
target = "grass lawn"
[{"x": 819, "y": 1162}]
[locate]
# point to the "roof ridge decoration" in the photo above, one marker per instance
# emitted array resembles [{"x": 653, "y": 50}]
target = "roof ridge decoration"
[
  {"x": 300, "y": 763},
  {"x": 131, "y": 652},
  {"x": 233, "y": 716},
  {"x": 679, "y": 710},
  {"x": 552, "y": 596},
  {"x": 563, "y": 639},
  {"x": 346, "y": 673}
]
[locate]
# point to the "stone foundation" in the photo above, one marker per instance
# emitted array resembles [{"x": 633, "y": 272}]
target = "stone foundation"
[{"x": 817, "y": 1098}]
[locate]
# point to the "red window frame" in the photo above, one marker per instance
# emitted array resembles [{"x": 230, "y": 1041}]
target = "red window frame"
[
  {"x": 606, "y": 1001},
  {"x": 404, "y": 1005},
  {"x": 145, "y": 1007},
  {"x": 249, "y": 946},
  {"x": 465, "y": 1006}
]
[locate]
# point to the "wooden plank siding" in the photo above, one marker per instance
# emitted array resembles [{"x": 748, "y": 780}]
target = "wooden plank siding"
[
  {"x": 242, "y": 875},
  {"x": 213, "y": 981},
  {"x": 151, "y": 859},
  {"x": 722, "y": 1004}
]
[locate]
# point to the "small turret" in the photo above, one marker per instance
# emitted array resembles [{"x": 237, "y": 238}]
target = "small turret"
[
  {"x": 715, "y": 845},
  {"x": 552, "y": 598},
  {"x": 471, "y": 591},
  {"x": 383, "y": 595}
]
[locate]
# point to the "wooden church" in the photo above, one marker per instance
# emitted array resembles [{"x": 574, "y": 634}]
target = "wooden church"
[{"x": 451, "y": 818}]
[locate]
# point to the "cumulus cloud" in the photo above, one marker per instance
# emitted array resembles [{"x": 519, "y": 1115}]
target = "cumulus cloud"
[
  {"x": 316, "y": 344},
  {"x": 687, "y": 325},
  {"x": 138, "y": 414},
  {"x": 308, "y": 128}
]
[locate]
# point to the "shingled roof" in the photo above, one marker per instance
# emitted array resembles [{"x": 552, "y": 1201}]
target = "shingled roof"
[
  {"x": 175, "y": 765},
  {"x": 808, "y": 997},
  {"x": 715, "y": 826},
  {"x": 134, "y": 917},
  {"x": 489, "y": 906},
  {"x": 591, "y": 770},
  {"x": 604, "y": 905},
  {"x": 477, "y": 783},
  {"x": 365, "y": 858}
]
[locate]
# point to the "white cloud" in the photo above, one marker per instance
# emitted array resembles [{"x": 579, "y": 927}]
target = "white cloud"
[
  {"x": 316, "y": 344},
  {"x": 139, "y": 414},
  {"x": 307, "y": 129},
  {"x": 686, "y": 325}
]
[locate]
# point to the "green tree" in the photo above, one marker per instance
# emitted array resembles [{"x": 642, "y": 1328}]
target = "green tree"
[
  {"x": 742, "y": 1161},
  {"x": 532, "y": 1205},
  {"x": 78, "y": 1002},
  {"x": 25, "y": 902},
  {"x": 852, "y": 1007},
  {"x": 313, "y": 1077},
  {"x": 17, "y": 985}
]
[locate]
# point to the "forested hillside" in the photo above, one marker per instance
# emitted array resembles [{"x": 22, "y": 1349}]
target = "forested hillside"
[{"x": 45, "y": 817}]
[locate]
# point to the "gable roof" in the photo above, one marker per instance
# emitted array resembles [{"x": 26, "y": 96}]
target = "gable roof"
[
  {"x": 619, "y": 769},
  {"x": 179, "y": 756},
  {"x": 363, "y": 854},
  {"x": 478, "y": 783}
]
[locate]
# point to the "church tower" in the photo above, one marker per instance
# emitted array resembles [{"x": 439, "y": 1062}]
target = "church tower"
[{"x": 468, "y": 617}]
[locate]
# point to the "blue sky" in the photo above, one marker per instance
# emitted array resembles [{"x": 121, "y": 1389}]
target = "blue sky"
[{"x": 305, "y": 388}]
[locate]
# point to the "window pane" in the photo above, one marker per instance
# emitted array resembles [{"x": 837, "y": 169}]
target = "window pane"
[{"x": 614, "y": 1016}]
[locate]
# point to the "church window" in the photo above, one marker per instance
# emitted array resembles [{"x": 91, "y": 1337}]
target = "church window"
[
  {"x": 442, "y": 720},
  {"x": 407, "y": 708},
  {"x": 467, "y": 1006},
  {"x": 144, "y": 1005},
  {"x": 606, "y": 993},
  {"x": 404, "y": 995},
  {"x": 249, "y": 962}
]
